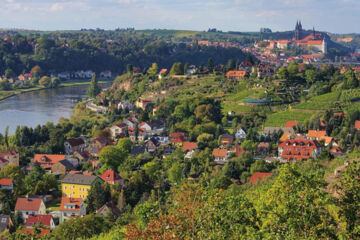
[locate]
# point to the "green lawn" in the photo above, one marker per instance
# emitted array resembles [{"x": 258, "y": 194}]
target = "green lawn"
[
  {"x": 280, "y": 118},
  {"x": 53, "y": 205}
]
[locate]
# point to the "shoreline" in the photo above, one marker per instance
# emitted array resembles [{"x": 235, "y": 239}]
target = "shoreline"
[{"x": 67, "y": 84}]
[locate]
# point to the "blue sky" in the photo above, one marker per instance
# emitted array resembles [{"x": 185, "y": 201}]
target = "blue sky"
[{"x": 338, "y": 16}]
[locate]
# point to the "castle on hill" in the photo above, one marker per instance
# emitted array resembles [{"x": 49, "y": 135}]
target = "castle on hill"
[{"x": 315, "y": 41}]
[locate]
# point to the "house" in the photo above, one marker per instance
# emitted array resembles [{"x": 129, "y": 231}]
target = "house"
[
  {"x": 125, "y": 106},
  {"x": 105, "y": 74},
  {"x": 61, "y": 167},
  {"x": 118, "y": 129},
  {"x": 152, "y": 145},
  {"x": 155, "y": 127},
  {"x": 45, "y": 220},
  {"x": 111, "y": 177},
  {"x": 220, "y": 155},
  {"x": 30, "y": 206},
  {"x": 71, "y": 207},
  {"x": 7, "y": 183},
  {"x": 258, "y": 176},
  {"x": 97, "y": 144},
  {"x": 48, "y": 160},
  {"x": 177, "y": 138},
  {"x": 107, "y": 208},
  {"x": 12, "y": 157},
  {"x": 191, "y": 70},
  {"x": 357, "y": 124},
  {"x": 137, "y": 150},
  {"x": 240, "y": 134},
  {"x": 189, "y": 146},
  {"x": 291, "y": 124},
  {"x": 235, "y": 75},
  {"x": 262, "y": 148},
  {"x": 144, "y": 104},
  {"x": 74, "y": 145},
  {"x": 168, "y": 151},
  {"x": 238, "y": 150},
  {"x": 299, "y": 149},
  {"x": 226, "y": 139},
  {"x": 272, "y": 130},
  {"x": 5, "y": 223},
  {"x": 316, "y": 135},
  {"x": 162, "y": 73},
  {"x": 286, "y": 136},
  {"x": 78, "y": 185},
  {"x": 327, "y": 140},
  {"x": 337, "y": 151}
]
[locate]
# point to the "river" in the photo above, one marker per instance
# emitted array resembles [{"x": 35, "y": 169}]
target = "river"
[{"x": 38, "y": 107}]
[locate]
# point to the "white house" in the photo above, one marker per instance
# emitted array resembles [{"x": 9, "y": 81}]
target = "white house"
[
  {"x": 105, "y": 74},
  {"x": 30, "y": 206},
  {"x": 240, "y": 134},
  {"x": 125, "y": 105},
  {"x": 118, "y": 129},
  {"x": 88, "y": 74}
]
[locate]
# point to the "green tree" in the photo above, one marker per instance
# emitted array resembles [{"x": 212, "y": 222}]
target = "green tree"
[
  {"x": 112, "y": 156},
  {"x": 124, "y": 144},
  {"x": 99, "y": 194},
  {"x": 349, "y": 190},
  {"x": 55, "y": 82},
  {"x": 177, "y": 69},
  {"x": 94, "y": 88},
  {"x": 153, "y": 70},
  {"x": 311, "y": 76},
  {"x": 45, "y": 81},
  {"x": 230, "y": 65},
  {"x": 210, "y": 65},
  {"x": 175, "y": 173}
]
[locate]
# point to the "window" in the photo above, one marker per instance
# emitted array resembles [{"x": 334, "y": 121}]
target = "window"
[{"x": 65, "y": 187}]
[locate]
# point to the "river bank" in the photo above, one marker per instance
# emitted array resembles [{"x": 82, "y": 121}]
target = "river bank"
[{"x": 8, "y": 94}]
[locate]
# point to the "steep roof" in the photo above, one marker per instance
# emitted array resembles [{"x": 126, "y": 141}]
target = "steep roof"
[
  {"x": 259, "y": 176},
  {"x": 75, "y": 201},
  {"x": 109, "y": 206},
  {"x": 75, "y": 141},
  {"x": 6, "y": 181},
  {"x": 44, "y": 219},
  {"x": 79, "y": 179},
  {"x": 28, "y": 204},
  {"x": 110, "y": 175}
]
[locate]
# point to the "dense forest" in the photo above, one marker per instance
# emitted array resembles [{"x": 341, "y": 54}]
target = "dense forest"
[{"x": 100, "y": 51}]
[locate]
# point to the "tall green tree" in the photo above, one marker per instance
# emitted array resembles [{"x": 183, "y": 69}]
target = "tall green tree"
[
  {"x": 94, "y": 88},
  {"x": 99, "y": 194}
]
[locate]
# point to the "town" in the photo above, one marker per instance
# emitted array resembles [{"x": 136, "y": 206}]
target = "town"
[{"x": 274, "y": 129}]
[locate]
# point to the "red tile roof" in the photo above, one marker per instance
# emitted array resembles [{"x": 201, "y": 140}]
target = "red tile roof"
[
  {"x": 110, "y": 176},
  {"x": 6, "y": 181},
  {"x": 336, "y": 150},
  {"x": 38, "y": 219},
  {"x": 189, "y": 146},
  {"x": 30, "y": 231},
  {"x": 163, "y": 71},
  {"x": 298, "y": 149},
  {"x": 357, "y": 124},
  {"x": 177, "y": 137},
  {"x": 291, "y": 123},
  {"x": 316, "y": 134},
  {"x": 48, "y": 159},
  {"x": 259, "y": 176},
  {"x": 219, "y": 152},
  {"x": 76, "y": 201},
  {"x": 240, "y": 74},
  {"x": 28, "y": 204}
]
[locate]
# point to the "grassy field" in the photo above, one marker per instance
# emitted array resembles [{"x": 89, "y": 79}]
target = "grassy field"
[{"x": 280, "y": 118}]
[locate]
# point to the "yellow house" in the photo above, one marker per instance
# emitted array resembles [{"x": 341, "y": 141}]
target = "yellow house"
[{"x": 78, "y": 185}]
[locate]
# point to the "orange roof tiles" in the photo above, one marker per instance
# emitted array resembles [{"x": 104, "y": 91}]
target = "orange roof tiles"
[
  {"x": 189, "y": 146},
  {"x": 316, "y": 134},
  {"x": 30, "y": 231},
  {"x": 6, "y": 181},
  {"x": 48, "y": 158},
  {"x": 42, "y": 219},
  {"x": 219, "y": 152},
  {"x": 240, "y": 74},
  {"x": 76, "y": 201},
  {"x": 357, "y": 124},
  {"x": 28, "y": 204}
]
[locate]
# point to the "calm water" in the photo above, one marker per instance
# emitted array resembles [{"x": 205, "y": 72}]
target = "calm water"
[{"x": 34, "y": 108}]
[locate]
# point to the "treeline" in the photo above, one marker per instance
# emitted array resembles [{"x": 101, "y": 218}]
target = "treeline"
[{"x": 57, "y": 52}]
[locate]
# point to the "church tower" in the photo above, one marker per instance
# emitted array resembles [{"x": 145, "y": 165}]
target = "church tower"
[{"x": 298, "y": 31}]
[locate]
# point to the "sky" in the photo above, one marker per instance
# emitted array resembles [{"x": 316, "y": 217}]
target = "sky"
[{"x": 336, "y": 16}]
